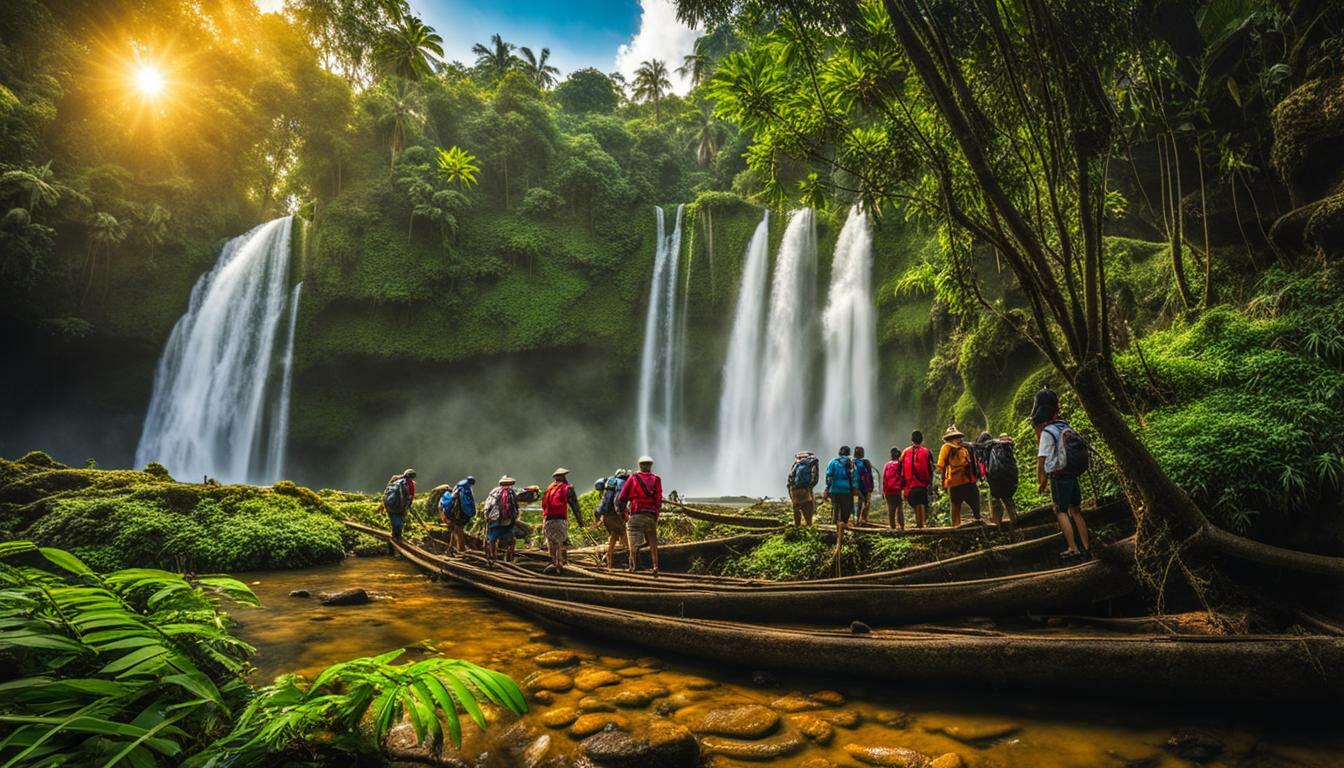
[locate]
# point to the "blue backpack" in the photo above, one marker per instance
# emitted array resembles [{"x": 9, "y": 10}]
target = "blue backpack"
[
  {"x": 804, "y": 473},
  {"x": 394, "y": 496}
]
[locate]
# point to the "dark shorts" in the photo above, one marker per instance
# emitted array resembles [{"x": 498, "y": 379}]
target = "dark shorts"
[
  {"x": 500, "y": 534},
  {"x": 918, "y": 497},
  {"x": 1066, "y": 492},
  {"x": 398, "y": 522},
  {"x": 893, "y": 501},
  {"x": 842, "y": 507},
  {"x": 1003, "y": 489},
  {"x": 966, "y": 493}
]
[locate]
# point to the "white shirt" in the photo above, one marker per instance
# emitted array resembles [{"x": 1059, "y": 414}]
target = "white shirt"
[{"x": 1052, "y": 446}]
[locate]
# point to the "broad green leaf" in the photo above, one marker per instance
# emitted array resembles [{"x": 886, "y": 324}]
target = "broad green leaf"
[
  {"x": 467, "y": 699},
  {"x": 133, "y": 658},
  {"x": 63, "y": 559}
]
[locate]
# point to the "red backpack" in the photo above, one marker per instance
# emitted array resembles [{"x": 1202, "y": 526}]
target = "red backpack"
[
  {"x": 908, "y": 474},
  {"x": 555, "y": 502}
]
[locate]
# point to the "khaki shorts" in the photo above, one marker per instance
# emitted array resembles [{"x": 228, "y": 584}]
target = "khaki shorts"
[
  {"x": 614, "y": 524},
  {"x": 641, "y": 528},
  {"x": 556, "y": 531},
  {"x": 803, "y": 500}
]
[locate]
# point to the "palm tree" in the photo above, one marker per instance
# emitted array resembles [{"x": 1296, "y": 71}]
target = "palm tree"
[
  {"x": 708, "y": 133},
  {"x": 536, "y": 69},
  {"x": 697, "y": 65},
  {"x": 400, "y": 107},
  {"x": 33, "y": 183},
  {"x": 409, "y": 50},
  {"x": 497, "y": 58},
  {"x": 651, "y": 83},
  {"x": 105, "y": 231}
]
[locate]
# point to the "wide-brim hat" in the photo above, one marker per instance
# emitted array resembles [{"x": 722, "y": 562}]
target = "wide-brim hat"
[
  {"x": 645, "y": 459},
  {"x": 952, "y": 432},
  {"x": 803, "y": 454},
  {"x": 506, "y": 480},
  {"x": 1005, "y": 437},
  {"x": 408, "y": 473},
  {"x": 559, "y": 471}
]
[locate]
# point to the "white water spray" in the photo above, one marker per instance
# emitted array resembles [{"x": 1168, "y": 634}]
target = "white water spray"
[
  {"x": 275, "y": 456},
  {"x": 849, "y": 332},
  {"x": 739, "y": 400},
  {"x": 207, "y": 414},
  {"x": 659, "y": 387}
]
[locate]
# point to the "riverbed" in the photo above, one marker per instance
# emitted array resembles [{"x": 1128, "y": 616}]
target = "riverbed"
[{"x": 798, "y": 718}]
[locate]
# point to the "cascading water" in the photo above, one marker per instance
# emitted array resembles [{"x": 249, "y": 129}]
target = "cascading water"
[
  {"x": 785, "y": 414},
  {"x": 738, "y": 401},
  {"x": 659, "y": 387},
  {"x": 275, "y": 455},
  {"x": 849, "y": 333},
  {"x": 207, "y": 414}
]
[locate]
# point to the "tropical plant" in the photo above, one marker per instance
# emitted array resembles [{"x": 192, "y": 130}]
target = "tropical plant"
[
  {"x": 709, "y": 132},
  {"x": 400, "y": 109},
  {"x": 495, "y": 59},
  {"x": 457, "y": 165},
  {"x": 651, "y": 83},
  {"x": 537, "y": 68},
  {"x": 410, "y": 49},
  {"x": 105, "y": 232},
  {"x": 31, "y": 188}
]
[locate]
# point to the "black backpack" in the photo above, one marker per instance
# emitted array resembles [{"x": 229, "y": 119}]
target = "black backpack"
[
  {"x": 1077, "y": 453},
  {"x": 1001, "y": 464},
  {"x": 394, "y": 496}
]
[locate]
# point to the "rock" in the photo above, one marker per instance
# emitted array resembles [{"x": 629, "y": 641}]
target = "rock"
[
  {"x": 859, "y": 628},
  {"x": 817, "y": 762},
  {"x": 616, "y": 749},
  {"x": 681, "y": 700},
  {"x": 795, "y": 702},
  {"x": 634, "y": 696},
  {"x": 635, "y": 671},
  {"x": 900, "y": 757},
  {"x": 829, "y": 698},
  {"x": 549, "y": 681},
  {"x": 556, "y": 659},
  {"x": 592, "y": 679},
  {"x": 594, "y": 704},
  {"x": 976, "y": 734},
  {"x": 743, "y": 721},
  {"x": 672, "y": 745},
  {"x": 841, "y": 717},
  {"x": 783, "y": 743},
  {"x": 542, "y": 697},
  {"x": 614, "y": 662},
  {"x": 300, "y": 593},
  {"x": 321, "y": 618},
  {"x": 665, "y": 745},
  {"x": 535, "y": 752},
  {"x": 401, "y": 745},
  {"x": 814, "y": 728},
  {"x": 1194, "y": 745},
  {"x": 355, "y": 596},
  {"x": 948, "y": 760},
  {"x": 763, "y": 678},
  {"x": 587, "y": 725},
  {"x": 559, "y": 717},
  {"x": 650, "y": 661},
  {"x": 679, "y": 682}
]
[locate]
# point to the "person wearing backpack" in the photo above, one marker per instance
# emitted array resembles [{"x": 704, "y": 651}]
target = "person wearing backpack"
[
  {"x": 803, "y": 477},
  {"x": 960, "y": 475},
  {"x": 1061, "y": 457},
  {"x": 1044, "y": 408},
  {"x": 397, "y": 499},
  {"x": 998, "y": 466},
  {"x": 916, "y": 470},
  {"x": 608, "y": 516},
  {"x": 456, "y": 509},
  {"x": 640, "y": 501},
  {"x": 863, "y": 493},
  {"x": 501, "y": 510},
  {"x": 891, "y": 490},
  {"x": 840, "y": 485},
  {"x": 558, "y": 500}
]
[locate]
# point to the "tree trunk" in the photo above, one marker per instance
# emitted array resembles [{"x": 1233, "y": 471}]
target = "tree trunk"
[
  {"x": 1208, "y": 242},
  {"x": 1175, "y": 234}
]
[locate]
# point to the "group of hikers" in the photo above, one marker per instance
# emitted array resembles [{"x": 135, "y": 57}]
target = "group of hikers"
[
  {"x": 909, "y": 478},
  {"x": 628, "y": 507}
]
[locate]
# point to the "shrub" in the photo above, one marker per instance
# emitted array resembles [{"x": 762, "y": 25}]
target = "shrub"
[{"x": 541, "y": 204}]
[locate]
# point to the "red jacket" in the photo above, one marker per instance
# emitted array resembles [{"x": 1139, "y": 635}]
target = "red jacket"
[
  {"x": 643, "y": 493},
  {"x": 891, "y": 478},
  {"x": 558, "y": 500},
  {"x": 916, "y": 467}
]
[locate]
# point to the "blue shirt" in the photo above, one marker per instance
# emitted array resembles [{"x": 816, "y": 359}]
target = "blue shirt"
[{"x": 840, "y": 475}]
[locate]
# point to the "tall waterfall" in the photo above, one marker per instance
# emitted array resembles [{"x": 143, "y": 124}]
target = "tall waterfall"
[
  {"x": 786, "y": 414},
  {"x": 659, "y": 384},
  {"x": 739, "y": 401},
  {"x": 275, "y": 455},
  {"x": 213, "y": 389},
  {"x": 849, "y": 329}
]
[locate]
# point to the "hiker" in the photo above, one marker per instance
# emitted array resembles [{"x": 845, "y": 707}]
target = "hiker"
[
  {"x": 960, "y": 475},
  {"x": 863, "y": 474},
  {"x": 397, "y": 499},
  {"x": 999, "y": 468},
  {"x": 840, "y": 485},
  {"x": 891, "y": 490},
  {"x": 917, "y": 476},
  {"x": 640, "y": 501},
  {"x": 556, "y": 503},
  {"x": 803, "y": 477},
  {"x": 607, "y": 515},
  {"x": 1062, "y": 456},
  {"x": 456, "y": 509},
  {"x": 1044, "y": 408},
  {"x": 501, "y": 510}
]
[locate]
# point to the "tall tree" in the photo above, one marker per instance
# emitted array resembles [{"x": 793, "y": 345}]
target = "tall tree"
[
  {"x": 537, "y": 68},
  {"x": 651, "y": 83},
  {"x": 409, "y": 50},
  {"x": 497, "y": 58}
]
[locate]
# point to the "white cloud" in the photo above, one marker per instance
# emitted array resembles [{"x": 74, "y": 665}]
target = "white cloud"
[{"x": 661, "y": 36}]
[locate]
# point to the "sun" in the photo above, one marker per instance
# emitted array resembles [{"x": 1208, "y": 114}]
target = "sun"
[{"x": 149, "y": 80}]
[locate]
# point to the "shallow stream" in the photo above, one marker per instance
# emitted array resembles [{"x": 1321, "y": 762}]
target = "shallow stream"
[{"x": 799, "y": 718}]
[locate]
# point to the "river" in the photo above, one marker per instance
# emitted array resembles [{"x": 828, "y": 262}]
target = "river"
[{"x": 841, "y": 719}]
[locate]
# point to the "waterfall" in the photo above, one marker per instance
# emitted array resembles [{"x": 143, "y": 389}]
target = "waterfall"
[
  {"x": 275, "y": 455},
  {"x": 849, "y": 329},
  {"x": 786, "y": 411},
  {"x": 661, "y": 359},
  {"x": 737, "y": 459},
  {"x": 207, "y": 413}
]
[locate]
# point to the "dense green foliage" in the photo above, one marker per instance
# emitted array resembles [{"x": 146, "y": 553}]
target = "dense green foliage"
[
  {"x": 805, "y": 553},
  {"x": 137, "y": 667}
]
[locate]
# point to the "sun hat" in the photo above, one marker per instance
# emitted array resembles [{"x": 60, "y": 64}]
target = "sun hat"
[
  {"x": 559, "y": 471},
  {"x": 1005, "y": 437},
  {"x": 506, "y": 480},
  {"x": 645, "y": 459},
  {"x": 952, "y": 432},
  {"x": 408, "y": 473}
]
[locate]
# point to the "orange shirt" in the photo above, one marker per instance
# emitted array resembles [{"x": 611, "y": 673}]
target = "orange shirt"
[{"x": 954, "y": 464}]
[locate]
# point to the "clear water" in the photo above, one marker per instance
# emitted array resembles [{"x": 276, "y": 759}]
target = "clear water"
[
  {"x": 849, "y": 338},
  {"x": 739, "y": 398},
  {"x": 658, "y": 399}
]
